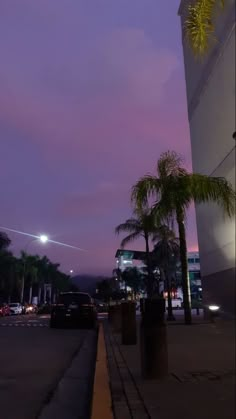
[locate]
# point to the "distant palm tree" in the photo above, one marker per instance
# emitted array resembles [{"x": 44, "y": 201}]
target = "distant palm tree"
[
  {"x": 166, "y": 253},
  {"x": 29, "y": 274},
  {"x": 174, "y": 189},
  {"x": 143, "y": 226},
  {"x": 199, "y": 24},
  {"x": 132, "y": 279},
  {"x": 4, "y": 241}
]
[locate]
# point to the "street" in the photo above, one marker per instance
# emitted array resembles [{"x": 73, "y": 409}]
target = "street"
[{"x": 33, "y": 359}]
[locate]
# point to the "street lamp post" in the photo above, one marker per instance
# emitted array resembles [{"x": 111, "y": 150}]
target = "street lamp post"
[{"x": 43, "y": 239}]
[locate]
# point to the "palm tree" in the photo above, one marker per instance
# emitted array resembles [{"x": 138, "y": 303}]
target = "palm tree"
[
  {"x": 199, "y": 24},
  {"x": 142, "y": 226},
  {"x": 166, "y": 253},
  {"x": 42, "y": 265},
  {"x": 174, "y": 189},
  {"x": 4, "y": 241},
  {"x": 133, "y": 279}
]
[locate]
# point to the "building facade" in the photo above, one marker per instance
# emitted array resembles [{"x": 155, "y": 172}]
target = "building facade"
[{"x": 210, "y": 84}]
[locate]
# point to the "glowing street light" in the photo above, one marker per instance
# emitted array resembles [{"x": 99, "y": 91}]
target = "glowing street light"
[
  {"x": 43, "y": 238},
  {"x": 214, "y": 308},
  {"x": 71, "y": 271},
  {"x": 214, "y": 311}
]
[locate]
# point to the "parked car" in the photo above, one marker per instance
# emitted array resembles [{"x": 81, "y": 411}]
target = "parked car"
[
  {"x": 44, "y": 309},
  {"x": 29, "y": 309},
  {"x": 74, "y": 308},
  {"x": 16, "y": 308},
  {"x": 4, "y": 310},
  {"x": 101, "y": 306},
  {"x": 175, "y": 302}
]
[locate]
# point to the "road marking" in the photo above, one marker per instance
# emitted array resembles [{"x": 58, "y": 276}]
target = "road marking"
[{"x": 24, "y": 325}]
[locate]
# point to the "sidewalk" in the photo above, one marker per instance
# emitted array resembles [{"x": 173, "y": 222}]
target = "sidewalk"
[{"x": 201, "y": 381}]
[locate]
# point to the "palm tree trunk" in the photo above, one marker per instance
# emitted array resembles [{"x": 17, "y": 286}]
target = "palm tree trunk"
[
  {"x": 150, "y": 276},
  {"x": 184, "y": 268},
  {"x": 30, "y": 293},
  {"x": 39, "y": 293},
  {"x": 170, "y": 310}
]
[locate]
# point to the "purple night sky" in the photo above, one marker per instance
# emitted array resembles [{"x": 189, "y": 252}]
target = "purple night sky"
[{"x": 91, "y": 94}]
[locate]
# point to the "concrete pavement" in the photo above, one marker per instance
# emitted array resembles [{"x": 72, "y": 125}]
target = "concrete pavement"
[
  {"x": 201, "y": 380},
  {"x": 33, "y": 361}
]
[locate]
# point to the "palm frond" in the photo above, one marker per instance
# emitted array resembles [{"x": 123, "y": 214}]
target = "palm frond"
[
  {"x": 130, "y": 238},
  {"x": 213, "y": 189},
  {"x": 169, "y": 163},
  {"x": 129, "y": 226},
  {"x": 163, "y": 232},
  {"x": 199, "y": 26},
  {"x": 146, "y": 186}
]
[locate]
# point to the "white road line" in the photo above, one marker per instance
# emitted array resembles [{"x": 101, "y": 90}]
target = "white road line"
[{"x": 23, "y": 325}]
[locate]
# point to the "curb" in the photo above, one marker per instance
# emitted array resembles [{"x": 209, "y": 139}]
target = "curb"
[
  {"x": 72, "y": 396},
  {"x": 102, "y": 401}
]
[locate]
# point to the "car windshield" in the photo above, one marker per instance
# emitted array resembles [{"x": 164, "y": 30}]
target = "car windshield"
[
  {"x": 74, "y": 299},
  {"x": 13, "y": 305}
]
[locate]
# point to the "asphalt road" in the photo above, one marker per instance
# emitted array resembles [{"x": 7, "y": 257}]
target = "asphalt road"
[{"x": 33, "y": 359}]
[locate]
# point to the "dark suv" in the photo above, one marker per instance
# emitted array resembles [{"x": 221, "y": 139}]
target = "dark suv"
[{"x": 75, "y": 309}]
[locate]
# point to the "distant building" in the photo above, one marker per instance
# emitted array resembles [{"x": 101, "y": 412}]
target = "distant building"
[
  {"x": 130, "y": 258},
  {"x": 194, "y": 267},
  {"x": 211, "y": 111}
]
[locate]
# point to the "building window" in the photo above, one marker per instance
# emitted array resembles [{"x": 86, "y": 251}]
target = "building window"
[{"x": 190, "y": 260}]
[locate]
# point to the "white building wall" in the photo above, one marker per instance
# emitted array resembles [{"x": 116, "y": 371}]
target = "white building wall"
[{"x": 211, "y": 109}]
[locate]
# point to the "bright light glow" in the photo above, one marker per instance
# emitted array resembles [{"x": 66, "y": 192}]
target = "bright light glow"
[
  {"x": 43, "y": 238},
  {"x": 214, "y": 308},
  {"x": 71, "y": 271},
  {"x": 116, "y": 279},
  {"x": 40, "y": 238},
  {"x": 200, "y": 289}
]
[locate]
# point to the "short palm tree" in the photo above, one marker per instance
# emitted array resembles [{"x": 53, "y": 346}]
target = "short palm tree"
[
  {"x": 199, "y": 24},
  {"x": 142, "y": 226},
  {"x": 174, "y": 189},
  {"x": 166, "y": 254}
]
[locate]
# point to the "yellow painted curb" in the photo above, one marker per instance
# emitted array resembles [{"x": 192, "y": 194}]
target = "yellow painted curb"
[{"x": 102, "y": 402}]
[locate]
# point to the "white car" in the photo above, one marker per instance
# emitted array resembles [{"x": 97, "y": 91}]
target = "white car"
[
  {"x": 16, "y": 308},
  {"x": 175, "y": 302}
]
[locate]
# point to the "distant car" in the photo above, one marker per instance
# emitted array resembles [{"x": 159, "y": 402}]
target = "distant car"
[
  {"x": 16, "y": 308},
  {"x": 74, "y": 308},
  {"x": 101, "y": 307},
  {"x": 4, "y": 310},
  {"x": 29, "y": 309},
  {"x": 175, "y": 302}
]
